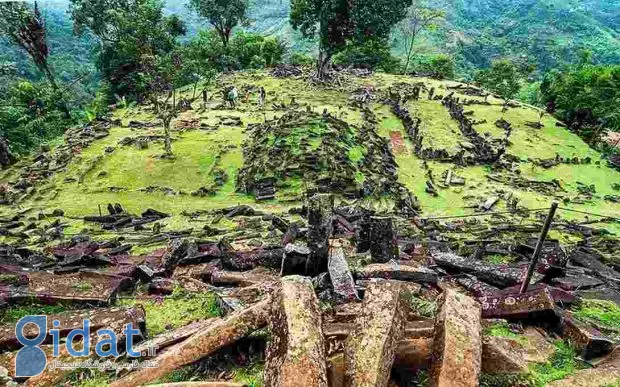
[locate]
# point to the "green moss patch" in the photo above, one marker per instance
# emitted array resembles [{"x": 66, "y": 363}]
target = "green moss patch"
[
  {"x": 12, "y": 314},
  {"x": 176, "y": 311},
  {"x": 562, "y": 364},
  {"x": 604, "y": 314},
  {"x": 502, "y": 329}
]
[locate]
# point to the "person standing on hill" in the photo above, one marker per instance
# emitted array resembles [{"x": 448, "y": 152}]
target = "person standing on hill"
[
  {"x": 262, "y": 95},
  {"x": 233, "y": 94}
]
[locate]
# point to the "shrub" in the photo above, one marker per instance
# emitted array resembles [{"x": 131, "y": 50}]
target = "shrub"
[
  {"x": 585, "y": 97},
  {"x": 440, "y": 66},
  {"x": 246, "y": 50},
  {"x": 30, "y": 114},
  {"x": 300, "y": 59},
  {"x": 373, "y": 54}
]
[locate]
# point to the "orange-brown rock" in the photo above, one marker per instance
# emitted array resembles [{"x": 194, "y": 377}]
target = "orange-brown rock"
[
  {"x": 370, "y": 350},
  {"x": 457, "y": 344},
  {"x": 296, "y": 351}
]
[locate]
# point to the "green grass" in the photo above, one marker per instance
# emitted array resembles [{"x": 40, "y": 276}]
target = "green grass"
[
  {"x": 88, "y": 378},
  {"x": 498, "y": 259},
  {"x": 252, "y": 375},
  {"x": 502, "y": 329},
  {"x": 423, "y": 308},
  {"x": 562, "y": 364},
  {"x": 506, "y": 380},
  {"x": 176, "y": 311},
  {"x": 605, "y": 314},
  {"x": 439, "y": 130},
  {"x": 8, "y": 279},
  {"x": 184, "y": 374},
  {"x": 196, "y": 152},
  {"x": 82, "y": 286},
  {"x": 12, "y": 314}
]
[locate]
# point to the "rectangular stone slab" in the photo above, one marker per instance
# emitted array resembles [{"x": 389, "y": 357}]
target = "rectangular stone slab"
[
  {"x": 246, "y": 278},
  {"x": 74, "y": 288},
  {"x": 399, "y": 272},
  {"x": 221, "y": 333},
  {"x": 295, "y": 354},
  {"x": 502, "y": 276},
  {"x": 370, "y": 350},
  {"x": 538, "y": 302},
  {"x": 589, "y": 341},
  {"x": 52, "y": 377},
  {"x": 106, "y": 318},
  {"x": 340, "y": 275},
  {"x": 457, "y": 345}
]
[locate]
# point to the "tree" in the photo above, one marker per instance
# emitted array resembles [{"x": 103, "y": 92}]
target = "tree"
[
  {"x": 223, "y": 15},
  {"x": 165, "y": 74},
  {"x": 502, "y": 78},
  {"x": 26, "y": 29},
  {"x": 586, "y": 97},
  {"x": 128, "y": 30},
  {"x": 419, "y": 17},
  {"x": 374, "y": 54},
  {"x": 338, "y": 22}
]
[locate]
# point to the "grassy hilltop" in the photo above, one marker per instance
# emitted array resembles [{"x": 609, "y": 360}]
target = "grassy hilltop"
[{"x": 208, "y": 146}]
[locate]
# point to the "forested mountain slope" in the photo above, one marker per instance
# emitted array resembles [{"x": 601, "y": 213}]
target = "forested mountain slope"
[{"x": 547, "y": 33}]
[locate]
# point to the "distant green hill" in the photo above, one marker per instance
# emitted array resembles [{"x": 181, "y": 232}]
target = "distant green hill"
[{"x": 548, "y": 32}]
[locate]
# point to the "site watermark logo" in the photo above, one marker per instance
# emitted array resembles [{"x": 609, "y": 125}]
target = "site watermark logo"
[{"x": 31, "y": 360}]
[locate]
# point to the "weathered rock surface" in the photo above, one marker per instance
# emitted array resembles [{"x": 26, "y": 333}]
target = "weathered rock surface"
[
  {"x": 370, "y": 351},
  {"x": 296, "y": 353},
  {"x": 538, "y": 302},
  {"x": 457, "y": 345},
  {"x": 398, "y": 271},
  {"x": 383, "y": 246},
  {"x": 340, "y": 275},
  {"x": 502, "y": 276},
  {"x": 589, "y": 341}
]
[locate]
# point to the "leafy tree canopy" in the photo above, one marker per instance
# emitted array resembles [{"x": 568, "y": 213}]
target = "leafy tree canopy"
[
  {"x": 129, "y": 31},
  {"x": 223, "y": 15},
  {"x": 337, "y": 22},
  {"x": 503, "y": 78},
  {"x": 585, "y": 96}
]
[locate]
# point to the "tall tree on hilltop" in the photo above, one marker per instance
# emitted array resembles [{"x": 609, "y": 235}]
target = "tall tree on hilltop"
[
  {"x": 128, "y": 32},
  {"x": 25, "y": 28},
  {"x": 223, "y": 15},
  {"x": 164, "y": 75},
  {"x": 502, "y": 78},
  {"x": 338, "y": 22},
  {"x": 420, "y": 17}
]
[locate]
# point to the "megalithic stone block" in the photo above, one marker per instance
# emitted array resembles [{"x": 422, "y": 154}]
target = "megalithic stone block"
[
  {"x": 457, "y": 345},
  {"x": 383, "y": 243},
  {"x": 370, "y": 351},
  {"x": 221, "y": 333},
  {"x": 319, "y": 230},
  {"x": 340, "y": 275},
  {"x": 398, "y": 271},
  {"x": 296, "y": 352},
  {"x": 535, "y": 303},
  {"x": 589, "y": 341}
]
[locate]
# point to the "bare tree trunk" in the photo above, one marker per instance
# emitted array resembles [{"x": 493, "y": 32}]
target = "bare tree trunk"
[
  {"x": 323, "y": 64},
  {"x": 194, "y": 93},
  {"x": 167, "y": 141},
  {"x": 52, "y": 80},
  {"x": 409, "y": 53}
]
